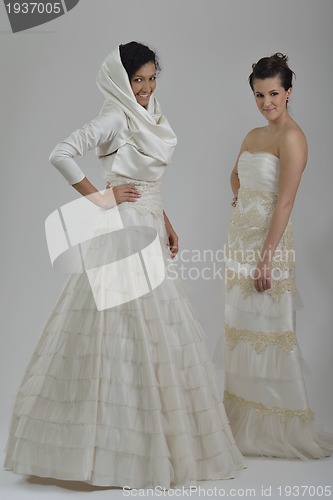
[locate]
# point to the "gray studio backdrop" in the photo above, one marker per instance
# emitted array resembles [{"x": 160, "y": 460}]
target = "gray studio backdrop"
[{"x": 206, "y": 50}]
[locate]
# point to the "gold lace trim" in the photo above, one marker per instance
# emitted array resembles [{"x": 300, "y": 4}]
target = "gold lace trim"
[
  {"x": 260, "y": 340},
  {"x": 278, "y": 287},
  {"x": 254, "y": 206},
  {"x": 249, "y": 226},
  {"x": 306, "y": 415}
]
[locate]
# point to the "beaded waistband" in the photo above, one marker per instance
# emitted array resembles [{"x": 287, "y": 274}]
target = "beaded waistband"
[{"x": 150, "y": 200}]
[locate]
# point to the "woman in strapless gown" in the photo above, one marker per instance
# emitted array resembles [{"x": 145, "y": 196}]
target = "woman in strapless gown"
[
  {"x": 120, "y": 390},
  {"x": 265, "y": 396}
]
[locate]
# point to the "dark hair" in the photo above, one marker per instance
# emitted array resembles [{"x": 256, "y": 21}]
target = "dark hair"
[
  {"x": 268, "y": 67},
  {"x": 133, "y": 55}
]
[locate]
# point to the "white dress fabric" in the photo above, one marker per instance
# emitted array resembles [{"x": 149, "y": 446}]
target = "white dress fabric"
[
  {"x": 123, "y": 395},
  {"x": 126, "y": 396},
  {"x": 265, "y": 395}
]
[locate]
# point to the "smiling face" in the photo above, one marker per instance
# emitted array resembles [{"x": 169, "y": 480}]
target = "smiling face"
[
  {"x": 143, "y": 83},
  {"x": 271, "y": 98}
]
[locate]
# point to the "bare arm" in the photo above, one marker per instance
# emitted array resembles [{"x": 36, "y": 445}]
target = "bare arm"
[
  {"x": 235, "y": 185},
  {"x": 234, "y": 179},
  {"x": 87, "y": 189},
  {"x": 293, "y": 158},
  {"x": 109, "y": 197},
  {"x": 172, "y": 236}
]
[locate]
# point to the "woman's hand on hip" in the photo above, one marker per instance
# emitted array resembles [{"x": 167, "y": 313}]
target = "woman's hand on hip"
[{"x": 124, "y": 192}]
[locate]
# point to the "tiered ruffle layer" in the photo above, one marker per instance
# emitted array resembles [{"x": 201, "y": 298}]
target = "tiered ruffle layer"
[
  {"x": 125, "y": 396},
  {"x": 265, "y": 397}
]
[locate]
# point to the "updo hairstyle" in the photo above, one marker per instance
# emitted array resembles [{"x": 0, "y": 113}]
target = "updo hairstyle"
[{"x": 269, "y": 67}]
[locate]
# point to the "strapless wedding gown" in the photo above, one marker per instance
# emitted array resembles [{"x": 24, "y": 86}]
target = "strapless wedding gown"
[
  {"x": 125, "y": 395},
  {"x": 265, "y": 395}
]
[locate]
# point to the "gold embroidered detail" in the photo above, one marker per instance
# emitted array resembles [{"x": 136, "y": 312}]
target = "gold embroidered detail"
[
  {"x": 249, "y": 226},
  {"x": 285, "y": 340},
  {"x": 306, "y": 415},
  {"x": 278, "y": 287},
  {"x": 283, "y": 258}
]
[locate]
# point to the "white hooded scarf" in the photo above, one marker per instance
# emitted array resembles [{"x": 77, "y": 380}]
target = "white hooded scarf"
[
  {"x": 131, "y": 140},
  {"x": 150, "y": 139}
]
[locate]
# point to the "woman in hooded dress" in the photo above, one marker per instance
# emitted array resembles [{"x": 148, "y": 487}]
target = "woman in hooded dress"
[{"x": 120, "y": 390}]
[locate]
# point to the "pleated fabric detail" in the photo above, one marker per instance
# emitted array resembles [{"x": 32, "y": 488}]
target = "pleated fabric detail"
[{"x": 126, "y": 396}]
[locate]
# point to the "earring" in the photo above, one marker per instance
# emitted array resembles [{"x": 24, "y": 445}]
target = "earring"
[{"x": 287, "y": 97}]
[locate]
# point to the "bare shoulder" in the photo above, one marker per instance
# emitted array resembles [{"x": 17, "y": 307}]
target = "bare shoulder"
[
  {"x": 250, "y": 138},
  {"x": 293, "y": 137},
  {"x": 255, "y": 132},
  {"x": 293, "y": 148}
]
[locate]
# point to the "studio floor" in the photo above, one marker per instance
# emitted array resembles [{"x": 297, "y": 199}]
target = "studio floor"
[{"x": 263, "y": 478}]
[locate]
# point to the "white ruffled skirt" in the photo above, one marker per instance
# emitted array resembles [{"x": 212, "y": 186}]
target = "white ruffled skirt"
[{"x": 120, "y": 390}]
